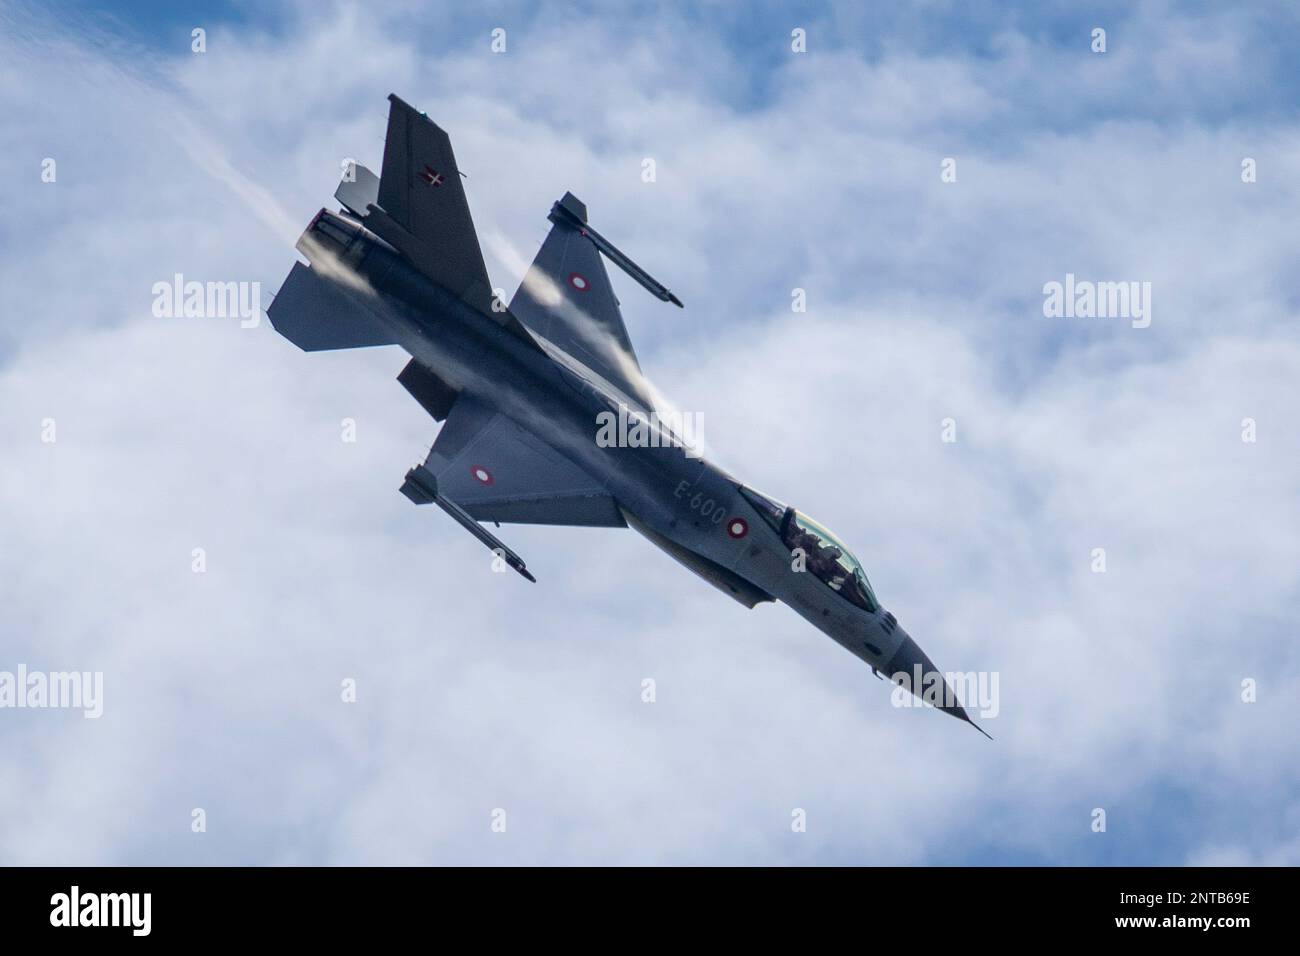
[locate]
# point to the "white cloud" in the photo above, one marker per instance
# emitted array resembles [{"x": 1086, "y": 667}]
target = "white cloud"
[{"x": 478, "y": 690}]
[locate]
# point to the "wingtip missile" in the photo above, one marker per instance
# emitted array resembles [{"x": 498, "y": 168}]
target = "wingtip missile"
[
  {"x": 571, "y": 211},
  {"x": 421, "y": 486},
  {"x": 513, "y": 560}
]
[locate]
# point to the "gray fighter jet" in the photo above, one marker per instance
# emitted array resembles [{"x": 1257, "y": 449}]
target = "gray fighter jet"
[{"x": 525, "y": 391}]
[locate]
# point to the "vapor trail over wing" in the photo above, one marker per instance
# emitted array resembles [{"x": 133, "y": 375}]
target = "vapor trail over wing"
[{"x": 566, "y": 298}]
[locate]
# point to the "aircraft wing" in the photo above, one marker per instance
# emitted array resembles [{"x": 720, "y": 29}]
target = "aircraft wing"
[
  {"x": 566, "y": 298},
  {"x": 498, "y": 471}
]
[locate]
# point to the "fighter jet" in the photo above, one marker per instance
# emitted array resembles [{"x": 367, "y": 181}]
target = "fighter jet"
[{"x": 524, "y": 391}]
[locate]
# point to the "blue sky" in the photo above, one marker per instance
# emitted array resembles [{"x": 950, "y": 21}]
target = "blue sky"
[{"x": 775, "y": 171}]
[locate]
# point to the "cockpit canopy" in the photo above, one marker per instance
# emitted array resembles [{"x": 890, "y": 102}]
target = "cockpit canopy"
[
  {"x": 826, "y": 557},
  {"x": 822, "y": 554}
]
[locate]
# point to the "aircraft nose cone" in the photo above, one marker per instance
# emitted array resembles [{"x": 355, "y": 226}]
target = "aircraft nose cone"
[{"x": 912, "y": 669}]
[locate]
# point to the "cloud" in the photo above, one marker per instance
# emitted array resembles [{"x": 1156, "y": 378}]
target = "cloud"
[{"x": 478, "y": 691}]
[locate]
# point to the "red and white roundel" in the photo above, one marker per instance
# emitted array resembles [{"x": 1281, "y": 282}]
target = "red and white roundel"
[
  {"x": 579, "y": 282},
  {"x": 481, "y": 474},
  {"x": 737, "y": 528}
]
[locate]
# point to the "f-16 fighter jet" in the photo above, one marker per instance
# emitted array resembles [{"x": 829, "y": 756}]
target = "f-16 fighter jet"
[{"x": 525, "y": 391}]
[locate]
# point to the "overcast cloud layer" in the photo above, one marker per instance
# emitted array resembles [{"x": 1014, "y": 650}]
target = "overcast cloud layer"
[{"x": 775, "y": 171}]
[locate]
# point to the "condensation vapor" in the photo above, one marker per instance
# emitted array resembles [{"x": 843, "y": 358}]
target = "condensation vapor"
[{"x": 589, "y": 329}]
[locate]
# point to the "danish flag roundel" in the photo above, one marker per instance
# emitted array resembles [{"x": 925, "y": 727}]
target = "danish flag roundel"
[
  {"x": 481, "y": 474},
  {"x": 579, "y": 282},
  {"x": 737, "y": 528}
]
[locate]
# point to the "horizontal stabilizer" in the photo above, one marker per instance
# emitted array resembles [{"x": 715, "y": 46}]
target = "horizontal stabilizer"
[{"x": 315, "y": 314}]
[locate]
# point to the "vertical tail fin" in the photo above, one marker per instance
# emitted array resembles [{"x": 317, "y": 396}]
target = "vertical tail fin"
[{"x": 421, "y": 209}]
